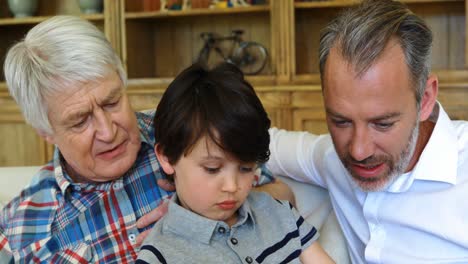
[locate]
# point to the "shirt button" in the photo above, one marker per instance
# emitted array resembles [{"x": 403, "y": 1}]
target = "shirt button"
[
  {"x": 234, "y": 241},
  {"x": 116, "y": 186},
  {"x": 222, "y": 230},
  {"x": 248, "y": 259},
  {"x": 132, "y": 238}
]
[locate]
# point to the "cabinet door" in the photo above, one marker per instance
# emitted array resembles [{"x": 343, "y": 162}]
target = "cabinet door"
[
  {"x": 309, "y": 114},
  {"x": 445, "y": 18},
  {"x": 454, "y": 99},
  {"x": 19, "y": 143}
]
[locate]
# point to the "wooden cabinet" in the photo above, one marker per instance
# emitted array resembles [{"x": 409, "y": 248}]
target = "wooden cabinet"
[
  {"x": 155, "y": 46},
  {"x": 445, "y": 18}
]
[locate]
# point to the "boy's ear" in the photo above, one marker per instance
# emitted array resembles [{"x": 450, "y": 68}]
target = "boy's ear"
[{"x": 163, "y": 160}]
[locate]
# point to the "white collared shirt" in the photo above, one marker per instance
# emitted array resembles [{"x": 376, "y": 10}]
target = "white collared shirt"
[{"x": 420, "y": 218}]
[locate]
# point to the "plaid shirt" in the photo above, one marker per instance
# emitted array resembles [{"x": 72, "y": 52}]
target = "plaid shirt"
[{"x": 57, "y": 221}]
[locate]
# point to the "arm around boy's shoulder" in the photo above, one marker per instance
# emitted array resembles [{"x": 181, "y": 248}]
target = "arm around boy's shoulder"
[
  {"x": 309, "y": 251},
  {"x": 281, "y": 216}
]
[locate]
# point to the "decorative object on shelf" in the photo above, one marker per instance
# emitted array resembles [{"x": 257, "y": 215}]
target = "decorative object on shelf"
[
  {"x": 90, "y": 6},
  {"x": 237, "y": 3},
  {"x": 23, "y": 8},
  {"x": 175, "y": 5},
  {"x": 229, "y": 3},
  {"x": 251, "y": 57},
  {"x": 258, "y": 2}
]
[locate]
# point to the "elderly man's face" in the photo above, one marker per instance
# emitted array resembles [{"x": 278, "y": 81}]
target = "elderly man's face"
[
  {"x": 372, "y": 118},
  {"x": 95, "y": 129}
]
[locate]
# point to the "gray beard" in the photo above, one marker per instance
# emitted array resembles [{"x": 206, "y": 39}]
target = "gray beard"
[
  {"x": 396, "y": 168},
  {"x": 405, "y": 157}
]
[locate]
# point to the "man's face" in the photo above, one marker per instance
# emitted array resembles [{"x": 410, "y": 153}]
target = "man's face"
[
  {"x": 372, "y": 118},
  {"x": 95, "y": 130},
  {"x": 211, "y": 183}
]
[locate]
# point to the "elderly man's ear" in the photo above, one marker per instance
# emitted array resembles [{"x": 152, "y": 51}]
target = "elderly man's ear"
[{"x": 46, "y": 136}]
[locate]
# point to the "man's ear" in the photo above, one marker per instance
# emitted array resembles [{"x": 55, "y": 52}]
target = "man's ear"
[
  {"x": 46, "y": 136},
  {"x": 429, "y": 97},
  {"x": 163, "y": 160}
]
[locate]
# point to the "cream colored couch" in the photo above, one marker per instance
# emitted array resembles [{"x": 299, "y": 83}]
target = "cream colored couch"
[{"x": 313, "y": 203}]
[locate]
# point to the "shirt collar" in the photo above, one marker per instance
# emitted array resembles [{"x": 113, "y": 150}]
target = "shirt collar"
[
  {"x": 438, "y": 161},
  {"x": 146, "y": 126},
  {"x": 189, "y": 224},
  {"x": 65, "y": 182}
]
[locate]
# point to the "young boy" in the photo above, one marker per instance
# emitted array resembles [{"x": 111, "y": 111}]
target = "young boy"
[{"x": 212, "y": 133}]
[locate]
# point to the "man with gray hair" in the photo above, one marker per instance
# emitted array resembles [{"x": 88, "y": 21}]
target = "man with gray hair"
[
  {"x": 90, "y": 203},
  {"x": 395, "y": 165}
]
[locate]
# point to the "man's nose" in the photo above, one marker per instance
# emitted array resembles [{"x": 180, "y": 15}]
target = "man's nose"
[
  {"x": 362, "y": 145},
  {"x": 105, "y": 127}
]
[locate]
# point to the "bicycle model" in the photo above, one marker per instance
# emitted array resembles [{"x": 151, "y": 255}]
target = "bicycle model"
[{"x": 250, "y": 57}]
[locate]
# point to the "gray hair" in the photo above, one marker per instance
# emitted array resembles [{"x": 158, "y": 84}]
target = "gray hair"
[
  {"x": 361, "y": 34},
  {"x": 60, "y": 53}
]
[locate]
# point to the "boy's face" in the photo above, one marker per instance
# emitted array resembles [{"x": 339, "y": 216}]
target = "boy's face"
[{"x": 209, "y": 182}]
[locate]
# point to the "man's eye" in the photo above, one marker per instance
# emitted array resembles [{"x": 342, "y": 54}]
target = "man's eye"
[
  {"x": 110, "y": 105},
  {"x": 384, "y": 126},
  {"x": 80, "y": 124},
  {"x": 211, "y": 170},
  {"x": 341, "y": 123}
]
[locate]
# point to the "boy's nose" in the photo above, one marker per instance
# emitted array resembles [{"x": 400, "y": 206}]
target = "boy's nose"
[{"x": 230, "y": 183}]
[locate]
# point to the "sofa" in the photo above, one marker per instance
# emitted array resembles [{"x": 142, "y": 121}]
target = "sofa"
[{"x": 312, "y": 202}]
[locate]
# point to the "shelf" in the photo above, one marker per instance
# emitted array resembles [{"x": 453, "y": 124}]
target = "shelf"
[
  {"x": 197, "y": 12},
  {"x": 38, "y": 19},
  {"x": 144, "y": 85},
  {"x": 345, "y": 3},
  {"x": 452, "y": 78},
  {"x": 313, "y": 78}
]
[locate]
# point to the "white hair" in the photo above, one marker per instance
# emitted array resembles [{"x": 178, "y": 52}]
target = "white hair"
[{"x": 60, "y": 53}]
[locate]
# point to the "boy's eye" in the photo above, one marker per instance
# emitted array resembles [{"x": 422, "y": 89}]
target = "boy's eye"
[
  {"x": 211, "y": 170},
  {"x": 247, "y": 169}
]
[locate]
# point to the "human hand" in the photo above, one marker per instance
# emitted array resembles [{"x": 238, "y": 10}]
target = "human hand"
[
  {"x": 156, "y": 214},
  {"x": 166, "y": 185},
  {"x": 150, "y": 218}
]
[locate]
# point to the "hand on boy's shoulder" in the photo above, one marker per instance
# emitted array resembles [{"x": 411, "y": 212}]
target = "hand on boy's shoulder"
[
  {"x": 279, "y": 190},
  {"x": 166, "y": 185},
  {"x": 157, "y": 213}
]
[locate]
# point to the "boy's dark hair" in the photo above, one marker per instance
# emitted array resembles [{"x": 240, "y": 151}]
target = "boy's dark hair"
[{"x": 217, "y": 103}]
